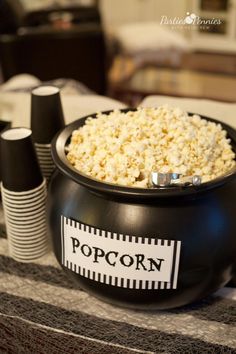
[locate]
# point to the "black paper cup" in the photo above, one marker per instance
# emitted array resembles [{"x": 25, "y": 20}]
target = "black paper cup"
[
  {"x": 26, "y": 226},
  {"x": 27, "y": 235},
  {"x": 43, "y": 147},
  {"x": 28, "y": 249},
  {"x": 24, "y": 201},
  {"x": 24, "y": 223},
  {"x": 35, "y": 247},
  {"x": 23, "y": 247},
  {"x": 25, "y": 217},
  {"x": 46, "y": 150},
  {"x": 44, "y": 154},
  {"x": 37, "y": 238},
  {"x": 28, "y": 260},
  {"x": 19, "y": 163},
  {"x": 47, "y": 116},
  {"x": 47, "y": 171},
  {"x": 28, "y": 243},
  {"x": 25, "y": 196},
  {"x": 47, "y": 167},
  {"x": 28, "y": 229},
  {"x": 46, "y": 162},
  {"x": 22, "y": 207},
  {"x": 28, "y": 254},
  {"x": 14, "y": 218},
  {"x": 12, "y": 204},
  {"x": 27, "y": 209},
  {"x": 3, "y": 126},
  {"x": 45, "y": 159},
  {"x": 28, "y": 218},
  {"x": 33, "y": 232}
]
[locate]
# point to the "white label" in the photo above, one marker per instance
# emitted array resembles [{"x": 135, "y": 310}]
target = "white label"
[{"x": 120, "y": 260}]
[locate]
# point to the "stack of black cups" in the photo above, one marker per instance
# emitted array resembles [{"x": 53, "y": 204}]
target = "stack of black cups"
[
  {"x": 46, "y": 120},
  {"x": 3, "y": 126},
  {"x": 23, "y": 196}
]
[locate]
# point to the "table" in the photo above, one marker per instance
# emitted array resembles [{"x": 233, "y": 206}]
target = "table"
[{"x": 42, "y": 311}]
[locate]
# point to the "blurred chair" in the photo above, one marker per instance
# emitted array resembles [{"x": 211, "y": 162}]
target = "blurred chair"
[
  {"x": 47, "y": 53},
  {"x": 24, "y": 13}
]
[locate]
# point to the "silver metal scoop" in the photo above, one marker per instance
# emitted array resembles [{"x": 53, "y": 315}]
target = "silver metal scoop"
[{"x": 158, "y": 179}]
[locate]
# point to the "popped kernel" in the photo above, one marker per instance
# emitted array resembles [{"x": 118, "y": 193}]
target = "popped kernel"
[{"x": 124, "y": 148}]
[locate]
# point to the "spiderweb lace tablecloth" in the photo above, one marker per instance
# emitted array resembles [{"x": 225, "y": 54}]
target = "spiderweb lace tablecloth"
[{"x": 41, "y": 311}]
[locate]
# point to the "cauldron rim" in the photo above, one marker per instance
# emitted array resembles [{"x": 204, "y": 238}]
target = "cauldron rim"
[{"x": 59, "y": 157}]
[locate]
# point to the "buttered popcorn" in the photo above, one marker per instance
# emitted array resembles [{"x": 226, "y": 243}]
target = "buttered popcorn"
[{"x": 124, "y": 148}]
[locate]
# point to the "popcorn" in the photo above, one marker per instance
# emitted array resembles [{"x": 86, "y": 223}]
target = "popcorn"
[{"x": 124, "y": 148}]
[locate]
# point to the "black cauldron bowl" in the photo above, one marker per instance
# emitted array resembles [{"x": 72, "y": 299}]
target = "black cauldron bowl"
[{"x": 202, "y": 217}]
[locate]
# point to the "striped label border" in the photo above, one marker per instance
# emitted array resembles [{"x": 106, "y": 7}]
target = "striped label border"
[{"x": 70, "y": 226}]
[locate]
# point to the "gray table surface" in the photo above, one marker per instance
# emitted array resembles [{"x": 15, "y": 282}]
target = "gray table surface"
[{"x": 41, "y": 311}]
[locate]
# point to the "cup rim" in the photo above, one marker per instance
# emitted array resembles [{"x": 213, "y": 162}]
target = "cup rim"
[
  {"x": 27, "y": 238},
  {"x": 24, "y": 260},
  {"x": 35, "y": 239},
  {"x": 47, "y": 165},
  {"x": 46, "y": 160},
  {"x": 23, "y": 225},
  {"x": 24, "y": 201},
  {"x": 24, "y": 193},
  {"x": 25, "y": 254},
  {"x": 20, "y": 227},
  {"x": 45, "y": 90},
  {"x": 10, "y": 202},
  {"x": 59, "y": 157},
  {"x": 27, "y": 232},
  {"x": 43, "y": 153},
  {"x": 28, "y": 243},
  {"x": 36, "y": 251},
  {"x": 28, "y": 248},
  {"x": 23, "y": 242},
  {"x": 32, "y": 207},
  {"x": 25, "y": 214},
  {"x": 10, "y": 132},
  {"x": 42, "y": 146},
  {"x": 47, "y": 169},
  {"x": 30, "y": 201},
  {"x": 27, "y": 217},
  {"x": 25, "y": 197}
]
